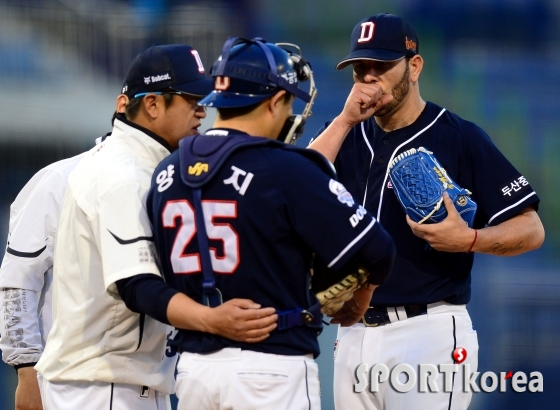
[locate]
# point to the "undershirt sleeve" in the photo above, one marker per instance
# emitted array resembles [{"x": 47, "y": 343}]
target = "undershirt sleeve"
[{"x": 148, "y": 294}]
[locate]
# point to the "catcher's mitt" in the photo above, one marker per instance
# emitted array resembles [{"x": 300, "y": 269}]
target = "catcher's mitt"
[
  {"x": 419, "y": 182},
  {"x": 333, "y": 288}
]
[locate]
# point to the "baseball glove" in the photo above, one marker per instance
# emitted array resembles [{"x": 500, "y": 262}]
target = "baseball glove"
[
  {"x": 333, "y": 288},
  {"x": 419, "y": 182}
]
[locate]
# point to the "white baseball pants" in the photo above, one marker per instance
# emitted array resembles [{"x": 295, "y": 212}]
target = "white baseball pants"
[
  {"x": 242, "y": 379},
  {"x": 426, "y": 339},
  {"x": 86, "y": 395}
]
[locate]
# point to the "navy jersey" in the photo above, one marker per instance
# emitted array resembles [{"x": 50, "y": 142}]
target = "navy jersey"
[
  {"x": 421, "y": 274},
  {"x": 267, "y": 207}
]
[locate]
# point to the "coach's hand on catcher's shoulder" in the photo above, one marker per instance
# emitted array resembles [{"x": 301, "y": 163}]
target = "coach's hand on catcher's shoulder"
[
  {"x": 241, "y": 320},
  {"x": 28, "y": 396},
  {"x": 353, "y": 309},
  {"x": 363, "y": 101},
  {"x": 450, "y": 235}
]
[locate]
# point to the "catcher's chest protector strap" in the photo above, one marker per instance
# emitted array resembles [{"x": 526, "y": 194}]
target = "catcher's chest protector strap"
[
  {"x": 199, "y": 161},
  {"x": 311, "y": 317},
  {"x": 211, "y": 294}
]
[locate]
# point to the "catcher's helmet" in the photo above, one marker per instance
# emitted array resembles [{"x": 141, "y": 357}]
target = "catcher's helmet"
[{"x": 250, "y": 71}]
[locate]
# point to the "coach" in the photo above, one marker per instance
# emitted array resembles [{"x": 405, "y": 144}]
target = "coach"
[{"x": 101, "y": 354}]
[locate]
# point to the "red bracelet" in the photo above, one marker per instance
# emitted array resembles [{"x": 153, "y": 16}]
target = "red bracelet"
[{"x": 472, "y": 244}]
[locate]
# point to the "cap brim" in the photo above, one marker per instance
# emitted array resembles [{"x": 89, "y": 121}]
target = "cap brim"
[
  {"x": 224, "y": 99},
  {"x": 198, "y": 88},
  {"x": 369, "y": 54}
]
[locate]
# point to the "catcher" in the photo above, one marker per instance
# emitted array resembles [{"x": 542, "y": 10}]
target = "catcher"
[{"x": 237, "y": 213}]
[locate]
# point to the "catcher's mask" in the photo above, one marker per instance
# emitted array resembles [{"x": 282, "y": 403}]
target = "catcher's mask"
[{"x": 250, "y": 71}]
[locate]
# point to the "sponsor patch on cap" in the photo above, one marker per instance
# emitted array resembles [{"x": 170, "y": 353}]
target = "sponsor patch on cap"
[{"x": 151, "y": 79}]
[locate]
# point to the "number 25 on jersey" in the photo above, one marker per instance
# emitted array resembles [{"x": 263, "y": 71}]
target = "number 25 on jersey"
[{"x": 182, "y": 212}]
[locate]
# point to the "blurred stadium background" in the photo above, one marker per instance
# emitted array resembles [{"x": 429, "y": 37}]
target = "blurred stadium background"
[{"x": 495, "y": 62}]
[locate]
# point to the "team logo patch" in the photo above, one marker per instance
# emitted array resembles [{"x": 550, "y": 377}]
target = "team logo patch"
[
  {"x": 367, "y": 32},
  {"x": 513, "y": 188},
  {"x": 198, "y": 168},
  {"x": 341, "y": 193}
]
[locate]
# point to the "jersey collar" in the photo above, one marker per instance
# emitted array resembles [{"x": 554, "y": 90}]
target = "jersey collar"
[
  {"x": 224, "y": 132},
  {"x": 140, "y": 140},
  {"x": 146, "y": 131}
]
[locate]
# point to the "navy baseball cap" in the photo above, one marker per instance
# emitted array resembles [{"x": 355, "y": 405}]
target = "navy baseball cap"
[
  {"x": 175, "y": 66},
  {"x": 250, "y": 71},
  {"x": 382, "y": 37}
]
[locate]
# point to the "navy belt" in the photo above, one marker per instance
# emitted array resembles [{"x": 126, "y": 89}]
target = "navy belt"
[{"x": 379, "y": 316}]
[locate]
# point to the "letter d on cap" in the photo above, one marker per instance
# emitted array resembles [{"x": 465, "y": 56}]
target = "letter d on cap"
[{"x": 367, "y": 31}]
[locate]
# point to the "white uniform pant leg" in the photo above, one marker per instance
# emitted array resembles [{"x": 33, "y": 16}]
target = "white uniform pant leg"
[
  {"x": 348, "y": 356},
  {"x": 85, "y": 395},
  {"x": 242, "y": 379},
  {"x": 424, "y": 339}
]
